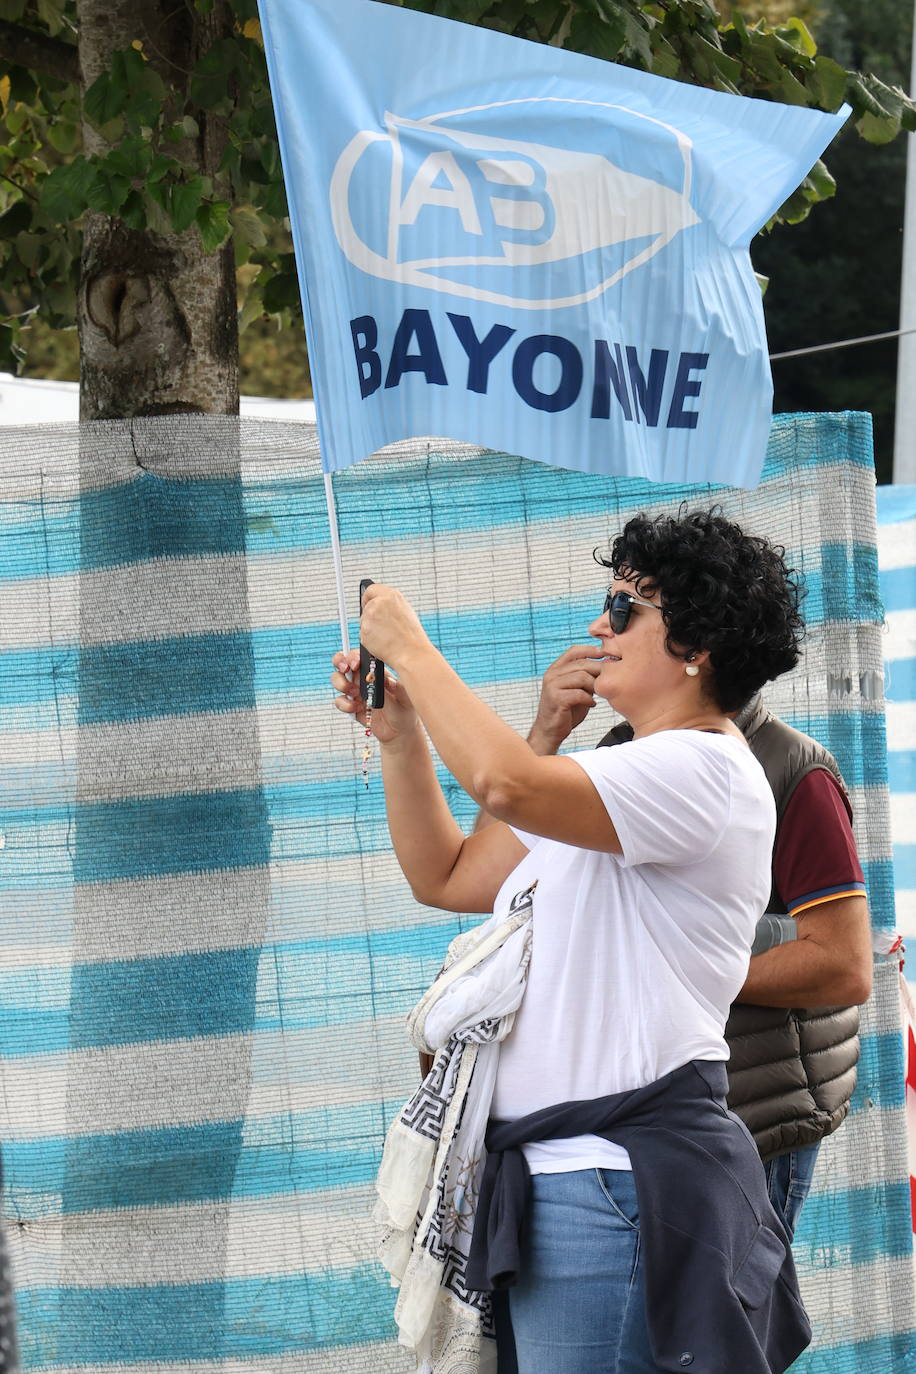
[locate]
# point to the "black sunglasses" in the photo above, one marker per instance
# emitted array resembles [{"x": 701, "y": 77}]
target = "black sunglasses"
[{"x": 619, "y": 606}]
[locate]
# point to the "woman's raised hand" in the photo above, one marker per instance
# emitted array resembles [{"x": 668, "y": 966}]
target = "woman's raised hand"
[
  {"x": 389, "y": 626},
  {"x": 397, "y": 717}
]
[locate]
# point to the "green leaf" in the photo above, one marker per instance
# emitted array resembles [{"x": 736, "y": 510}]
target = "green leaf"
[
  {"x": 144, "y": 88},
  {"x": 797, "y": 34},
  {"x": 818, "y": 185},
  {"x": 795, "y": 209},
  {"x": 763, "y": 56},
  {"x": 128, "y": 66},
  {"x": 131, "y": 89},
  {"x": 881, "y": 110},
  {"x": 822, "y": 183},
  {"x": 596, "y": 37},
  {"x": 827, "y": 83},
  {"x": 213, "y": 224},
  {"x": 16, "y": 120},
  {"x": 184, "y": 202},
  {"x": 61, "y": 297},
  {"x": 868, "y": 95},
  {"x": 728, "y": 67},
  {"x": 740, "y": 25},
  {"x": 108, "y": 191},
  {"x": 133, "y": 211},
  {"x": 131, "y": 158},
  {"x": 113, "y": 130},
  {"x": 270, "y": 158},
  {"x": 665, "y": 61},
  {"x": 105, "y": 99},
  {"x": 253, "y": 169},
  {"x": 248, "y": 226},
  {"x": 281, "y": 292},
  {"x": 252, "y": 309},
  {"x": 273, "y": 201},
  {"x": 791, "y": 91},
  {"x": 638, "y": 43},
  {"x": 64, "y": 193},
  {"x": 64, "y": 136},
  {"x": 160, "y": 167},
  {"x": 878, "y": 128},
  {"x": 763, "y": 282},
  {"x": 28, "y": 249},
  {"x": 210, "y": 82}
]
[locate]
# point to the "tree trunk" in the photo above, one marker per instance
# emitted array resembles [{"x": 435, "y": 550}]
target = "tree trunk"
[
  {"x": 171, "y": 837},
  {"x": 157, "y": 315}
]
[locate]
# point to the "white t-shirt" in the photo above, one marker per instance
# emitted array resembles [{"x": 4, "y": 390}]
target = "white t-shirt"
[{"x": 637, "y": 957}]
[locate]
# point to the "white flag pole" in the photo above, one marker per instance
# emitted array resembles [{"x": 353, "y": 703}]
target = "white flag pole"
[
  {"x": 338, "y": 562},
  {"x": 905, "y": 424}
]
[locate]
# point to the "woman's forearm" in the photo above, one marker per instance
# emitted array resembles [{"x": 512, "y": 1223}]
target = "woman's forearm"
[
  {"x": 427, "y": 839},
  {"x": 487, "y": 757}
]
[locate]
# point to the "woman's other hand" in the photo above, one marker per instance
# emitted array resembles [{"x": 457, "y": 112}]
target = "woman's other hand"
[
  {"x": 396, "y": 718},
  {"x": 567, "y": 696}
]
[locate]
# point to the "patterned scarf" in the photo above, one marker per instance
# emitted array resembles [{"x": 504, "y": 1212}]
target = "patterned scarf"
[{"x": 434, "y": 1153}]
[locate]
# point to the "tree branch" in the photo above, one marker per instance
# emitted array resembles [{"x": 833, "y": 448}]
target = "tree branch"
[{"x": 26, "y": 48}]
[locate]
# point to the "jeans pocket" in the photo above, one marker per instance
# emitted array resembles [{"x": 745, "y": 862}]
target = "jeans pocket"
[{"x": 620, "y": 1191}]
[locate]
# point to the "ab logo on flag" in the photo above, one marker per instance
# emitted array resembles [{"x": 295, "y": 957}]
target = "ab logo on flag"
[
  {"x": 517, "y": 222},
  {"x": 511, "y": 245}
]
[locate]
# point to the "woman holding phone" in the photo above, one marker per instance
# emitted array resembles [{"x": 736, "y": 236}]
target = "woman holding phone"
[{"x": 652, "y": 863}]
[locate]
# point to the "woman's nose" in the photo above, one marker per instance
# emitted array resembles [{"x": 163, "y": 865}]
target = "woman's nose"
[{"x": 600, "y": 626}]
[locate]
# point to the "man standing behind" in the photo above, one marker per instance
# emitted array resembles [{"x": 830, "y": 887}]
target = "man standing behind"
[{"x": 793, "y": 1031}]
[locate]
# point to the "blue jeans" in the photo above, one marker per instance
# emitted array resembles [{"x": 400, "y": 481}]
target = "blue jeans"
[
  {"x": 578, "y": 1307},
  {"x": 788, "y": 1181}
]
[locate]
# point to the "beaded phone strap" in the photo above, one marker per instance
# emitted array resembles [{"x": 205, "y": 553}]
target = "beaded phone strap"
[{"x": 370, "y": 706}]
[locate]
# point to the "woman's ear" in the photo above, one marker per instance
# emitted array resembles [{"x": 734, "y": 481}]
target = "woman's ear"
[
  {"x": 694, "y": 661},
  {"x": 698, "y": 656}
]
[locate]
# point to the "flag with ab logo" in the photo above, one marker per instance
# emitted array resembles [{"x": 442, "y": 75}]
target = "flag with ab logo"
[{"x": 515, "y": 246}]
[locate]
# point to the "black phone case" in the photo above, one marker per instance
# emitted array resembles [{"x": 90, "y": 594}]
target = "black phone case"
[{"x": 365, "y": 658}]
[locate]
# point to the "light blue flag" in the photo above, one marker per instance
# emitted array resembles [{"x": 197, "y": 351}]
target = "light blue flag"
[{"x": 519, "y": 247}]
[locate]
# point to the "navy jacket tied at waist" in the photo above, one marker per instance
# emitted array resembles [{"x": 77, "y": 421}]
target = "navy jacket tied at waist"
[{"x": 721, "y": 1288}]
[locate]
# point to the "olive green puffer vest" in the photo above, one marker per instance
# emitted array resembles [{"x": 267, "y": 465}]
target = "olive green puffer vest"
[{"x": 792, "y": 1071}]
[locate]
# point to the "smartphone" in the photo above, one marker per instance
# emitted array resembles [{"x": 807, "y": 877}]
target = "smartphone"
[{"x": 365, "y": 658}]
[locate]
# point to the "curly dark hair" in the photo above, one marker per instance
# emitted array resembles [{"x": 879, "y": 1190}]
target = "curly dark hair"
[{"x": 721, "y": 590}]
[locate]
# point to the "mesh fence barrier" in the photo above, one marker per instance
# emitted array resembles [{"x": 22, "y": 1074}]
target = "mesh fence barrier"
[
  {"x": 897, "y": 559},
  {"x": 207, "y": 950}
]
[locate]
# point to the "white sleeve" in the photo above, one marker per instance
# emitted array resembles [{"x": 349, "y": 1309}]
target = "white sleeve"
[
  {"x": 527, "y": 839},
  {"x": 668, "y": 797}
]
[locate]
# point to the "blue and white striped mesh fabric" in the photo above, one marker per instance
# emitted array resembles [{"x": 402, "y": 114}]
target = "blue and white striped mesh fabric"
[
  {"x": 207, "y": 950},
  {"x": 897, "y": 562}
]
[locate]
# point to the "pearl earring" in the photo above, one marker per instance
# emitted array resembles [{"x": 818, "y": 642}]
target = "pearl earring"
[{"x": 691, "y": 669}]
